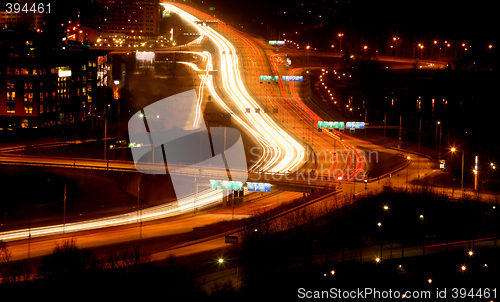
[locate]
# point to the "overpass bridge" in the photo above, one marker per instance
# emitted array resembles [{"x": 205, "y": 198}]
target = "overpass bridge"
[{"x": 293, "y": 181}]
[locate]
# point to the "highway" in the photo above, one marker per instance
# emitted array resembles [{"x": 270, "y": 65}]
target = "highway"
[
  {"x": 40, "y": 246},
  {"x": 282, "y": 150},
  {"x": 294, "y": 115}
]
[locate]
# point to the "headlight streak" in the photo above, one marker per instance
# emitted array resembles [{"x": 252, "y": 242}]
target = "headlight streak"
[
  {"x": 281, "y": 153},
  {"x": 184, "y": 205}
]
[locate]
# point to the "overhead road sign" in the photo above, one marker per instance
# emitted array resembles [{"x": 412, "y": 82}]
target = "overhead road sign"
[
  {"x": 276, "y": 42},
  {"x": 269, "y": 78},
  {"x": 258, "y": 187},
  {"x": 226, "y": 185},
  {"x": 355, "y": 125},
  {"x": 292, "y": 78},
  {"x": 330, "y": 125}
]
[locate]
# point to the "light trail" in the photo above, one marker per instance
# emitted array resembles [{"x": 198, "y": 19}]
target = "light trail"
[
  {"x": 280, "y": 152},
  {"x": 297, "y": 110},
  {"x": 183, "y": 205}
]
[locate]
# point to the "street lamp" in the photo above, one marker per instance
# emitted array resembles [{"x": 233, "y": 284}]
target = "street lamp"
[
  {"x": 462, "y": 183},
  {"x": 423, "y": 235},
  {"x": 307, "y": 50},
  {"x": 438, "y": 124},
  {"x": 380, "y": 238},
  {"x": 407, "y": 167}
]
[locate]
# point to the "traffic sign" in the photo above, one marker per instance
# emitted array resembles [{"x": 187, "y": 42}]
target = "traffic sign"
[
  {"x": 330, "y": 125},
  {"x": 226, "y": 185},
  {"x": 292, "y": 78},
  {"x": 355, "y": 125},
  {"x": 269, "y": 78},
  {"x": 258, "y": 187},
  {"x": 276, "y": 42}
]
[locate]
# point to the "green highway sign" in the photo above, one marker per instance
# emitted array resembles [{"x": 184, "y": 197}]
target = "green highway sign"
[
  {"x": 269, "y": 78},
  {"x": 226, "y": 185},
  {"x": 330, "y": 125},
  {"x": 276, "y": 42}
]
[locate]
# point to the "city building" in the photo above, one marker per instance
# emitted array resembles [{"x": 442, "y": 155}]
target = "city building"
[
  {"x": 28, "y": 15},
  {"x": 129, "y": 19},
  {"x": 45, "y": 85}
]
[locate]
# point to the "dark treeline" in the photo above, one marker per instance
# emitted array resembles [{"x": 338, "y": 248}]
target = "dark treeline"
[{"x": 297, "y": 249}]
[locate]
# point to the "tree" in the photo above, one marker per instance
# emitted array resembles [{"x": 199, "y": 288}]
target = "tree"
[
  {"x": 66, "y": 260},
  {"x": 4, "y": 260}
]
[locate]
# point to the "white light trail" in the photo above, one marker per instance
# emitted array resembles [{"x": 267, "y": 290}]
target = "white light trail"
[
  {"x": 281, "y": 153},
  {"x": 185, "y": 205}
]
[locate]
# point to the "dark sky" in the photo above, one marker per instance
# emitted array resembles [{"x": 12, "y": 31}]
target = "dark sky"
[{"x": 473, "y": 20}]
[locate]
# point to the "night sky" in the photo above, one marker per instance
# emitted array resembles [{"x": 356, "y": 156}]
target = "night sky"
[{"x": 443, "y": 19}]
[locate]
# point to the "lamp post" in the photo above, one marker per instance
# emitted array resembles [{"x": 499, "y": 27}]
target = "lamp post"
[
  {"x": 493, "y": 167},
  {"x": 340, "y": 41},
  {"x": 475, "y": 173},
  {"x": 423, "y": 235},
  {"x": 307, "y": 50},
  {"x": 438, "y": 148},
  {"x": 380, "y": 238},
  {"x": 408, "y": 158},
  {"x": 462, "y": 182}
]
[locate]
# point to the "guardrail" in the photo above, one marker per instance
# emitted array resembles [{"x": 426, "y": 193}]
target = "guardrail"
[
  {"x": 48, "y": 145},
  {"x": 253, "y": 224}
]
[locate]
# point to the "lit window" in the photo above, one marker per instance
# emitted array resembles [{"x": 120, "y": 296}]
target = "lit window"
[
  {"x": 28, "y": 97},
  {"x": 11, "y": 95},
  {"x": 28, "y": 109},
  {"x": 10, "y": 85},
  {"x": 11, "y": 108}
]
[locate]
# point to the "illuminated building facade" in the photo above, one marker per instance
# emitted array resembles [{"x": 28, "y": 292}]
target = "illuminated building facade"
[
  {"x": 32, "y": 18},
  {"x": 42, "y": 86},
  {"x": 125, "y": 18}
]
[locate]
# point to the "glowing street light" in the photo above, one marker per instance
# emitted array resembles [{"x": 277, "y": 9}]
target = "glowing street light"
[
  {"x": 407, "y": 167},
  {"x": 380, "y": 238},
  {"x": 456, "y": 150}
]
